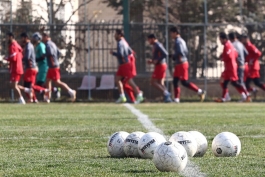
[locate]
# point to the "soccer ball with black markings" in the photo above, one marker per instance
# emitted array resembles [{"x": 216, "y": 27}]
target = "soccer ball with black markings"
[
  {"x": 131, "y": 144},
  {"x": 170, "y": 157},
  {"x": 186, "y": 140},
  {"x": 226, "y": 144},
  {"x": 148, "y": 143},
  {"x": 115, "y": 144},
  {"x": 202, "y": 144}
]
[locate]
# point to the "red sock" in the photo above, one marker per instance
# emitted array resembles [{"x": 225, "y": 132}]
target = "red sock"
[
  {"x": 250, "y": 89},
  {"x": 240, "y": 90},
  {"x": 193, "y": 87},
  {"x": 128, "y": 89},
  {"x": 38, "y": 88},
  {"x": 177, "y": 92}
]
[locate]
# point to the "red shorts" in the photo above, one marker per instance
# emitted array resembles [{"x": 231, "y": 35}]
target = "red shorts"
[
  {"x": 182, "y": 71},
  {"x": 125, "y": 71},
  {"x": 53, "y": 74},
  {"x": 160, "y": 71},
  {"x": 15, "y": 77},
  {"x": 132, "y": 62},
  {"x": 30, "y": 75},
  {"x": 230, "y": 75},
  {"x": 252, "y": 73}
]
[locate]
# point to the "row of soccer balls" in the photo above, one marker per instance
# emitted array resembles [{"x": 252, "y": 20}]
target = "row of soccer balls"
[{"x": 171, "y": 155}]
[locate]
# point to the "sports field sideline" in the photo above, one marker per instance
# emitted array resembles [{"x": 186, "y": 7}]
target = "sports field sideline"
[{"x": 70, "y": 139}]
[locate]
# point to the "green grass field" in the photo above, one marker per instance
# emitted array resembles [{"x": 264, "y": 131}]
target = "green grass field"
[{"x": 70, "y": 139}]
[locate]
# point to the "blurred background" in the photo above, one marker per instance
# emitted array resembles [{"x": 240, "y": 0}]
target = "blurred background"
[{"x": 84, "y": 32}]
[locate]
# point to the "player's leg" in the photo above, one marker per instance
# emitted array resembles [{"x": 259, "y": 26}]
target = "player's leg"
[
  {"x": 243, "y": 92},
  {"x": 65, "y": 87},
  {"x": 224, "y": 84},
  {"x": 258, "y": 83},
  {"x": 176, "y": 89},
  {"x": 159, "y": 84},
  {"x": 48, "y": 84},
  {"x": 136, "y": 90},
  {"x": 194, "y": 88},
  {"x": 129, "y": 91},
  {"x": 15, "y": 87},
  {"x": 119, "y": 83},
  {"x": 158, "y": 80}
]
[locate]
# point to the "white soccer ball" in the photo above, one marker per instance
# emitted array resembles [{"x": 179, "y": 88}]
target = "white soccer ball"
[
  {"x": 131, "y": 144},
  {"x": 186, "y": 140},
  {"x": 226, "y": 144},
  {"x": 202, "y": 144},
  {"x": 170, "y": 156},
  {"x": 148, "y": 143},
  {"x": 115, "y": 144}
]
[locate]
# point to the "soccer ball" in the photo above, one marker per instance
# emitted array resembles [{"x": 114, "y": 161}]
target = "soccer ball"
[
  {"x": 186, "y": 140},
  {"x": 226, "y": 144},
  {"x": 202, "y": 143},
  {"x": 170, "y": 156},
  {"x": 131, "y": 144},
  {"x": 148, "y": 143},
  {"x": 115, "y": 144}
]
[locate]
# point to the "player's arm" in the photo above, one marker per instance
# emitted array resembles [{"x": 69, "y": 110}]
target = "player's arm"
[
  {"x": 12, "y": 54},
  {"x": 256, "y": 52},
  {"x": 178, "y": 52},
  {"x": 163, "y": 53},
  {"x": 245, "y": 52},
  {"x": 26, "y": 55}
]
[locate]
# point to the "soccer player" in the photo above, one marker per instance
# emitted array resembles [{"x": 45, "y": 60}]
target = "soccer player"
[
  {"x": 127, "y": 88},
  {"x": 15, "y": 65},
  {"x": 229, "y": 57},
  {"x": 52, "y": 54},
  {"x": 159, "y": 60},
  {"x": 181, "y": 72},
  {"x": 242, "y": 53},
  {"x": 253, "y": 65},
  {"x": 41, "y": 60},
  {"x": 29, "y": 60},
  {"x": 125, "y": 72}
]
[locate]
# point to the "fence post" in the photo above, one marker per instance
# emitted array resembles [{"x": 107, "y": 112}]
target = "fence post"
[
  {"x": 205, "y": 44},
  {"x": 167, "y": 48},
  {"x": 11, "y": 29},
  {"x": 88, "y": 60},
  {"x": 126, "y": 20}
]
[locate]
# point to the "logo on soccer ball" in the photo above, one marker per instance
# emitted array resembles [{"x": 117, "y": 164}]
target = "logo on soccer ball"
[
  {"x": 219, "y": 151},
  {"x": 148, "y": 145},
  {"x": 112, "y": 138},
  {"x": 168, "y": 143}
]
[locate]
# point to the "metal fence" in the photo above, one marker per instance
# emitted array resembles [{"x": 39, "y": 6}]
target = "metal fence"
[{"x": 73, "y": 41}]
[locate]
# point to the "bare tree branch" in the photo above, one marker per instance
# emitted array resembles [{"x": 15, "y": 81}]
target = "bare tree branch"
[{"x": 73, "y": 13}]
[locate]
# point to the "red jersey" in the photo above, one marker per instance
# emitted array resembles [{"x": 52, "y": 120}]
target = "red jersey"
[
  {"x": 15, "y": 58},
  {"x": 253, "y": 56},
  {"x": 229, "y": 57}
]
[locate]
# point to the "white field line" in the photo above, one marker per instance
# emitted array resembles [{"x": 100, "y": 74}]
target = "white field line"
[{"x": 191, "y": 170}]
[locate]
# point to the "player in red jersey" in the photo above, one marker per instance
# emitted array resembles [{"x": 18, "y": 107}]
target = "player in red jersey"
[
  {"x": 124, "y": 73},
  {"x": 15, "y": 65},
  {"x": 181, "y": 72},
  {"x": 253, "y": 65},
  {"x": 229, "y": 57},
  {"x": 159, "y": 60}
]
